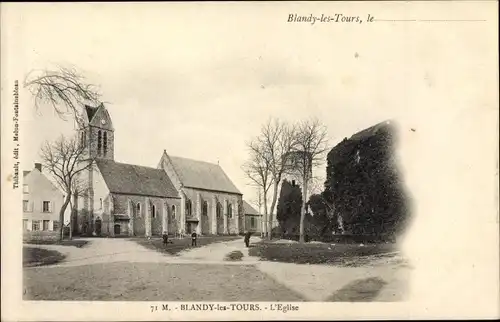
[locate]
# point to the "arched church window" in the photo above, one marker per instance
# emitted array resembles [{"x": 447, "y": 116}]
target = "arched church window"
[
  {"x": 99, "y": 141},
  {"x": 205, "y": 208},
  {"x": 105, "y": 143},
  {"x": 173, "y": 212},
  {"x": 153, "y": 211},
  {"x": 188, "y": 207},
  {"x": 219, "y": 210},
  {"x": 138, "y": 208},
  {"x": 229, "y": 211}
]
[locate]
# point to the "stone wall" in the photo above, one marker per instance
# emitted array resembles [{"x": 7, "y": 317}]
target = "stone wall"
[
  {"x": 210, "y": 225},
  {"x": 144, "y": 223}
]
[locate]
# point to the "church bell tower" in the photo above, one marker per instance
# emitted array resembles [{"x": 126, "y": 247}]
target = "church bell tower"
[{"x": 97, "y": 134}]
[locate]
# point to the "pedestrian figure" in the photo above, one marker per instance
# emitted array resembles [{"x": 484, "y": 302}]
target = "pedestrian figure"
[
  {"x": 193, "y": 239},
  {"x": 247, "y": 238},
  {"x": 165, "y": 238}
]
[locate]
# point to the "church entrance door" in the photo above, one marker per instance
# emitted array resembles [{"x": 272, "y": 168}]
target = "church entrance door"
[
  {"x": 98, "y": 225},
  {"x": 117, "y": 229}
]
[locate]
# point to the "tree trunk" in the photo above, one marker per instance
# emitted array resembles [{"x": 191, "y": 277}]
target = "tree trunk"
[
  {"x": 61, "y": 216},
  {"x": 303, "y": 208},
  {"x": 273, "y": 205},
  {"x": 265, "y": 213}
]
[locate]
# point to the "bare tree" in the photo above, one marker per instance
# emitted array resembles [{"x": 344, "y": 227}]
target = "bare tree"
[
  {"x": 66, "y": 159},
  {"x": 310, "y": 145},
  {"x": 65, "y": 89},
  {"x": 277, "y": 139},
  {"x": 258, "y": 170}
]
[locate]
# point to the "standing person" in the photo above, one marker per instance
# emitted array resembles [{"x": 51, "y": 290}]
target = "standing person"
[
  {"x": 193, "y": 239},
  {"x": 247, "y": 239},
  {"x": 165, "y": 238}
]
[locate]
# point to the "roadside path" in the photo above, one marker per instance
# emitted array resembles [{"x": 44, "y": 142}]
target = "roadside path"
[{"x": 314, "y": 282}]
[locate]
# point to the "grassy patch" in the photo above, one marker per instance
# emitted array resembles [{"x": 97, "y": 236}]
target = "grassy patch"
[
  {"x": 66, "y": 242},
  {"x": 175, "y": 246},
  {"x": 39, "y": 257},
  {"x": 362, "y": 290},
  {"x": 234, "y": 256},
  {"x": 339, "y": 254},
  {"x": 153, "y": 282}
]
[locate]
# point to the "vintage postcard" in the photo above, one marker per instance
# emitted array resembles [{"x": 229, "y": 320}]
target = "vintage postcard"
[{"x": 249, "y": 160}]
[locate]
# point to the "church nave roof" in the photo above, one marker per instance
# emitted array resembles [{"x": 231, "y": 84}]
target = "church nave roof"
[{"x": 136, "y": 180}]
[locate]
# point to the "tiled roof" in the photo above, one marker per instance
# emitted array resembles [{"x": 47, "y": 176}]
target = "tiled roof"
[
  {"x": 249, "y": 210},
  {"x": 90, "y": 111},
  {"x": 136, "y": 180},
  {"x": 202, "y": 175}
]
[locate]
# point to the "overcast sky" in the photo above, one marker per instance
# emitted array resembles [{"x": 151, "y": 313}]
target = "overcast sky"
[{"x": 199, "y": 81}]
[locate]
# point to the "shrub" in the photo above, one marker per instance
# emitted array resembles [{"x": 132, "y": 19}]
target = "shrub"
[
  {"x": 234, "y": 256},
  {"x": 39, "y": 257}
]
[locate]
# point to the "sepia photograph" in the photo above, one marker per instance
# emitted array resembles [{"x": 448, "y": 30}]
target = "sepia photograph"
[{"x": 244, "y": 160}]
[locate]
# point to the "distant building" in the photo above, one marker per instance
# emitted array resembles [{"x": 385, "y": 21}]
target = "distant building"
[
  {"x": 42, "y": 201},
  {"x": 253, "y": 220},
  {"x": 180, "y": 196}
]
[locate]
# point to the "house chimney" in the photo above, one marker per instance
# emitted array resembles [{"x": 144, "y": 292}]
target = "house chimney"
[{"x": 38, "y": 166}]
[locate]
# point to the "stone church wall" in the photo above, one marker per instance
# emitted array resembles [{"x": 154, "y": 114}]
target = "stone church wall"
[{"x": 207, "y": 222}]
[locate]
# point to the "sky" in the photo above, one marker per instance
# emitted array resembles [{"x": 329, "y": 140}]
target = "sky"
[
  {"x": 198, "y": 80},
  {"x": 176, "y": 78}
]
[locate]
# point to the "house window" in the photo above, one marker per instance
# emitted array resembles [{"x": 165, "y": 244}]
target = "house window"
[
  {"x": 25, "y": 224},
  {"x": 100, "y": 202},
  {"x": 188, "y": 207},
  {"x": 55, "y": 225},
  {"x": 99, "y": 142},
  {"x": 173, "y": 212},
  {"x": 138, "y": 209},
  {"x": 46, "y": 225},
  {"x": 252, "y": 222},
  {"x": 153, "y": 211},
  {"x": 46, "y": 206},
  {"x": 205, "y": 208},
  {"x": 26, "y": 205},
  {"x": 230, "y": 211},
  {"x": 105, "y": 143},
  {"x": 218, "y": 210},
  {"x": 25, "y": 188},
  {"x": 35, "y": 225}
]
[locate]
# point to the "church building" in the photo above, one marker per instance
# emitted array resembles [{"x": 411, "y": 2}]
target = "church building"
[{"x": 180, "y": 196}]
